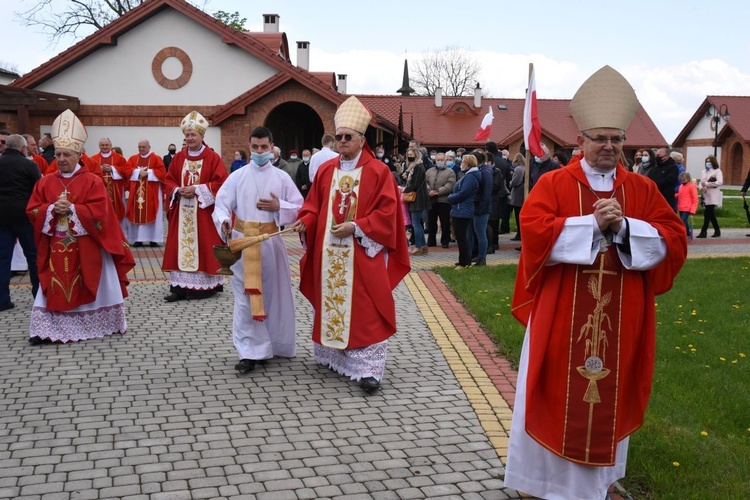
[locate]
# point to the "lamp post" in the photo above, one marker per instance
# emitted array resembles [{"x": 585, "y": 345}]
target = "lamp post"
[{"x": 718, "y": 113}]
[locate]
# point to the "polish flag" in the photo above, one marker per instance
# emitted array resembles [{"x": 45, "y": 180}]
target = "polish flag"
[
  {"x": 484, "y": 129},
  {"x": 532, "y": 131}
]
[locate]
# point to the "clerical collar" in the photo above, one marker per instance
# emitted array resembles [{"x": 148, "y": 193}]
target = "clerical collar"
[
  {"x": 106, "y": 155},
  {"x": 146, "y": 155},
  {"x": 347, "y": 165},
  {"x": 600, "y": 180},
  {"x": 197, "y": 153},
  {"x": 70, "y": 174}
]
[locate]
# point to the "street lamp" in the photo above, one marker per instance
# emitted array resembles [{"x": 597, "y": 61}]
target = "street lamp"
[{"x": 718, "y": 113}]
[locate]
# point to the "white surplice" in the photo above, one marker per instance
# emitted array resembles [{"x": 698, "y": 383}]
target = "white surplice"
[
  {"x": 531, "y": 468},
  {"x": 276, "y": 335}
]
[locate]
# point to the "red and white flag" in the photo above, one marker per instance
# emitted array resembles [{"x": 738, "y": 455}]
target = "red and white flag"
[
  {"x": 484, "y": 129},
  {"x": 532, "y": 131}
]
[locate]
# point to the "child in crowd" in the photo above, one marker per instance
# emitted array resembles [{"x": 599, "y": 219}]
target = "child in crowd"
[{"x": 687, "y": 202}]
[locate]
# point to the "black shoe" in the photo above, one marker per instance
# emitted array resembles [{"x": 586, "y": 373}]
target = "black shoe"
[
  {"x": 137, "y": 244},
  {"x": 369, "y": 384},
  {"x": 432, "y": 244},
  {"x": 445, "y": 245},
  {"x": 491, "y": 250},
  {"x": 702, "y": 235},
  {"x": 153, "y": 244},
  {"x": 475, "y": 259},
  {"x": 173, "y": 297},
  {"x": 518, "y": 249},
  {"x": 481, "y": 262},
  {"x": 245, "y": 365},
  {"x": 39, "y": 341},
  {"x": 9, "y": 305},
  {"x": 717, "y": 234},
  {"x": 515, "y": 238}
]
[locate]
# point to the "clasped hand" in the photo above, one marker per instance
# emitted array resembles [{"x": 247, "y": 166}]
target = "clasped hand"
[
  {"x": 608, "y": 214},
  {"x": 62, "y": 207}
]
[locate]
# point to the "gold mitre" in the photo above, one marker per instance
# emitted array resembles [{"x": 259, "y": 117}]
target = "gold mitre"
[
  {"x": 68, "y": 132},
  {"x": 352, "y": 114},
  {"x": 605, "y": 100},
  {"x": 194, "y": 121}
]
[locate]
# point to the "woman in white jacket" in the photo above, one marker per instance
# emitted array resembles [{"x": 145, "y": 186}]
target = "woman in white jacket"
[{"x": 711, "y": 179}]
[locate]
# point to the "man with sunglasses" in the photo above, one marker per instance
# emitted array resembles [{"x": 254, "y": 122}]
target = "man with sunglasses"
[
  {"x": 599, "y": 243},
  {"x": 356, "y": 253}
]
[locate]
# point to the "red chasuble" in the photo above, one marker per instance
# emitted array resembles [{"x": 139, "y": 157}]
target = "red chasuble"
[
  {"x": 592, "y": 336},
  {"x": 212, "y": 174},
  {"x": 378, "y": 214},
  {"x": 115, "y": 187},
  {"x": 143, "y": 202},
  {"x": 41, "y": 163},
  {"x": 70, "y": 266}
]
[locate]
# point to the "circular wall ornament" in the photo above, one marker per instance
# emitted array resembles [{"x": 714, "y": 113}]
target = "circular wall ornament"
[{"x": 158, "y": 62}]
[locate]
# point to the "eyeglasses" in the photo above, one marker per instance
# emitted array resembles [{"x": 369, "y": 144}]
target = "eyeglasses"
[
  {"x": 348, "y": 137},
  {"x": 602, "y": 140}
]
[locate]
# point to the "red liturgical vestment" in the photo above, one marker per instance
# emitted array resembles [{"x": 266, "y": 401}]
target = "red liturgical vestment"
[
  {"x": 143, "y": 202},
  {"x": 115, "y": 186},
  {"x": 592, "y": 333}
]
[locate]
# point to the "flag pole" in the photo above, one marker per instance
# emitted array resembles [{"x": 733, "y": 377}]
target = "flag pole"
[{"x": 528, "y": 163}]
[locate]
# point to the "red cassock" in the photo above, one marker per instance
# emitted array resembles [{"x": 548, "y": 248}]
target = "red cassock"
[
  {"x": 41, "y": 163},
  {"x": 378, "y": 214},
  {"x": 115, "y": 187},
  {"x": 213, "y": 174},
  {"x": 592, "y": 336},
  {"x": 70, "y": 266},
  {"x": 143, "y": 201}
]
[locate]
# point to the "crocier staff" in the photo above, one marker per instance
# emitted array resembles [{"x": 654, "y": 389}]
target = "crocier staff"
[
  {"x": 82, "y": 255},
  {"x": 599, "y": 243}
]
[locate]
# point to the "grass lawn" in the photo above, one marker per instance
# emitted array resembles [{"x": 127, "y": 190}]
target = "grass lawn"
[
  {"x": 700, "y": 384},
  {"x": 731, "y": 214}
]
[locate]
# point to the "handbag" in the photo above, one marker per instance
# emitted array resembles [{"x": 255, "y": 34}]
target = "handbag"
[{"x": 409, "y": 197}]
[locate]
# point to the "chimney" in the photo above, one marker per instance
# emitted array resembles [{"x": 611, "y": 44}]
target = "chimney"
[
  {"x": 303, "y": 55},
  {"x": 270, "y": 23},
  {"x": 342, "y": 84},
  {"x": 478, "y": 96},
  {"x": 439, "y": 97}
]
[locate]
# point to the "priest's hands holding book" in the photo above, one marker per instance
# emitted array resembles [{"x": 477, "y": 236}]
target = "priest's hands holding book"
[{"x": 608, "y": 214}]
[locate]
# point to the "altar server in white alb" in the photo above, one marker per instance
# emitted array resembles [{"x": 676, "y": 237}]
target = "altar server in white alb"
[{"x": 263, "y": 198}]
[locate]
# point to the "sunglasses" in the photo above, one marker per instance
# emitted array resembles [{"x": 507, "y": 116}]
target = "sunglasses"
[{"x": 348, "y": 137}]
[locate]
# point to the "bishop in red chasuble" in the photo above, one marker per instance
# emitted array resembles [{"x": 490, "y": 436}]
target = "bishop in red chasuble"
[
  {"x": 356, "y": 253},
  {"x": 82, "y": 255},
  {"x": 599, "y": 243},
  {"x": 115, "y": 175}
]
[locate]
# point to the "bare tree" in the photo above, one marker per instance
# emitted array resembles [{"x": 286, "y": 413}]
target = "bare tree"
[
  {"x": 62, "y": 18},
  {"x": 451, "y": 68}
]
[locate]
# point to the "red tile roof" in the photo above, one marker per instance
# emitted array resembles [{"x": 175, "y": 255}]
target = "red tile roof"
[
  {"x": 739, "y": 117},
  {"x": 457, "y": 120}
]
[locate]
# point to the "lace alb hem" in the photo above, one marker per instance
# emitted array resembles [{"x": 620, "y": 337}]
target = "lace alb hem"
[
  {"x": 372, "y": 247},
  {"x": 204, "y": 195},
  {"x": 73, "y": 326},
  {"x": 354, "y": 363},
  {"x": 196, "y": 280}
]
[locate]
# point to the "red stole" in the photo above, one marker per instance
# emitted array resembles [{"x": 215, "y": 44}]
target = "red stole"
[{"x": 115, "y": 187}]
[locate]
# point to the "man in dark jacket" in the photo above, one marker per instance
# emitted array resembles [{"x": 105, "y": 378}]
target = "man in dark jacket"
[
  {"x": 500, "y": 218},
  {"x": 17, "y": 178},
  {"x": 665, "y": 174},
  {"x": 540, "y": 166},
  {"x": 482, "y": 209}
]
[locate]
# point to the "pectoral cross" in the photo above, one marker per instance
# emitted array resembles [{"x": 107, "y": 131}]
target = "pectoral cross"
[{"x": 606, "y": 241}]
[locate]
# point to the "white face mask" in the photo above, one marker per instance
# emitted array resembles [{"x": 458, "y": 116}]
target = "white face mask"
[{"x": 293, "y": 157}]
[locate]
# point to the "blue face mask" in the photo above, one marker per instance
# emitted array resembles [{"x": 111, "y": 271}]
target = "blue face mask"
[
  {"x": 261, "y": 159},
  {"x": 645, "y": 161},
  {"x": 709, "y": 166},
  {"x": 379, "y": 155},
  {"x": 450, "y": 163}
]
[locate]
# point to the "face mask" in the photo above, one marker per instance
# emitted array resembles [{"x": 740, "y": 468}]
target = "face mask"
[
  {"x": 537, "y": 159},
  {"x": 293, "y": 157},
  {"x": 261, "y": 159},
  {"x": 306, "y": 159},
  {"x": 645, "y": 161},
  {"x": 450, "y": 163},
  {"x": 379, "y": 155},
  {"x": 440, "y": 164},
  {"x": 172, "y": 151},
  {"x": 410, "y": 158},
  {"x": 432, "y": 157},
  {"x": 709, "y": 166}
]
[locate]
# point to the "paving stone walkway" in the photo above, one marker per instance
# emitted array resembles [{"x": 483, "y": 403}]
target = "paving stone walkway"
[{"x": 160, "y": 413}]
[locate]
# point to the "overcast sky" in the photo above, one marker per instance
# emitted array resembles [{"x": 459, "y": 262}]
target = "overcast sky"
[{"x": 673, "y": 53}]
